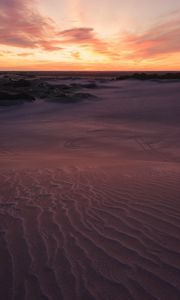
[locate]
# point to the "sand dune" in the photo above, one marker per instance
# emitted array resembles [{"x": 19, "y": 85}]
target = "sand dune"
[
  {"x": 89, "y": 196},
  {"x": 90, "y": 234}
]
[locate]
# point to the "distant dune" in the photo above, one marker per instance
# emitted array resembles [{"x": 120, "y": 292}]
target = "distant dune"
[{"x": 89, "y": 191}]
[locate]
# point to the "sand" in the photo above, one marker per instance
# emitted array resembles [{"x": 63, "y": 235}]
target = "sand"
[{"x": 89, "y": 192}]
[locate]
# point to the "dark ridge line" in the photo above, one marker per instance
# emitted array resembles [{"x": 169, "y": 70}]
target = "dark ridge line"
[
  {"x": 82, "y": 73},
  {"x": 150, "y": 76}
]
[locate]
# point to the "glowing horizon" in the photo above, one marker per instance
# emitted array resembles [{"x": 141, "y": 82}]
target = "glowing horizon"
[{"x": 89, "y": 35}]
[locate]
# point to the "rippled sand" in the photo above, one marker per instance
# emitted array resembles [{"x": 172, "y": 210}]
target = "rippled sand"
[{"x": 89, "y": 197}]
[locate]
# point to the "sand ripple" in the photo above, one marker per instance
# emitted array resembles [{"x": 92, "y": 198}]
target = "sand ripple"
[{"x": 89, "y": 234}]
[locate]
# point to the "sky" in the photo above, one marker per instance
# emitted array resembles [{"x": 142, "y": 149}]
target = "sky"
[{"x": 90, "y": 35}]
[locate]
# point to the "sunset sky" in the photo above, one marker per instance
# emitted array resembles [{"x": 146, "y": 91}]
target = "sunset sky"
[{"x": 90, "y": 34}]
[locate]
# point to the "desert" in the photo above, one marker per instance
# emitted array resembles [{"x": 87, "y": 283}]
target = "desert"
[{"x": 89, "y": 186}]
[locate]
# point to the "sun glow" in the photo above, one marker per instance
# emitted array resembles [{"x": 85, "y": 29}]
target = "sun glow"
[{"x": 81, "y": 34}]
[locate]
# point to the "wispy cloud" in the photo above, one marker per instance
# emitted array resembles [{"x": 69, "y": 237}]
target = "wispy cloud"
[
  {"x": 161, "y": 39},
  {"x": 24, "y": 54},
  {"x": 21, "y": 25},
  {"x": 87, "y": 38},
  {"x": 77, "y": 35}
]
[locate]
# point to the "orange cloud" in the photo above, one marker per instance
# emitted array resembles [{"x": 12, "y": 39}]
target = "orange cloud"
[
  {"x": 160, "y": 40},
  {"x": 24, "y": 54},
  {"x": 75, "y": 35},
  {"x": 87, "y": 38},
  {"x": 22, "y": 26}
]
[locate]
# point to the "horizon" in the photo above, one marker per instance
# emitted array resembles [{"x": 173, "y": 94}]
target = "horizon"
[
  {"x": 75, "y": 35},
  {"x": 92, "y": 71}
]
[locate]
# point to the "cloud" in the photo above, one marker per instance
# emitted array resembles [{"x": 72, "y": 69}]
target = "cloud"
[
  {"x": 50, "y": 45},
  {"x": 21, "y": 25},
  {"x": 161, "y": 39},
  {"x": 87, "y": 38},
  {"x": 76, "y": 54},
  {"x": 77, "y": 35},
  {"x": 24, "y": 54}
]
